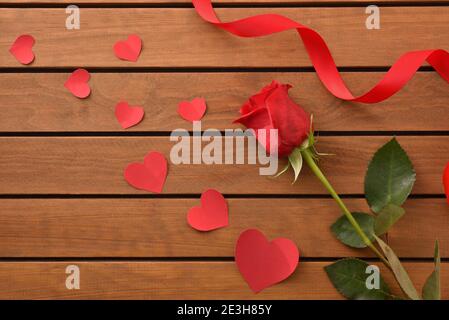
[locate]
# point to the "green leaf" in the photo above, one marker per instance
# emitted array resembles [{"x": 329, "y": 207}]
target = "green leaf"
[
  {"x": 390, "y": 177},
  {"x": 431, "y": 289},
  {"x": 387, "y": 217},
  {"x": 349, "y": 277},
  {"x": 399, "y": 272},
  {"x": 346, "y": 233},
  {"x": 295, "y": 159}
]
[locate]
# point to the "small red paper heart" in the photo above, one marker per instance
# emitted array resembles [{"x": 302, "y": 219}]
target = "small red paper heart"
[
  {"x": 150, "y": 175},
  {"x": 213, "y": 213},
  {"x": 263, "y": 263},
  {"x": 77, "y": 83},
  {"x": 22, "y": 49},
  {"x": 192, "y": 111},
  {"x": 127, "y": 115},
  {"x": 128, "y": 49},
  {"x": 446, "y": 181}
]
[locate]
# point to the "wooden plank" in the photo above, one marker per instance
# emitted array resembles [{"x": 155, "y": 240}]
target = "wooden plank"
[
  {"x": 175, "y": 280},
  {"x": 94, "y": 165},
  {"x": 158, "y": 228},
  {"x": 425, "y": 222},
  {"x": 198, "y": 44},
  {"x": 299, "y": 2},
  {"x": 41, "y": 103}
]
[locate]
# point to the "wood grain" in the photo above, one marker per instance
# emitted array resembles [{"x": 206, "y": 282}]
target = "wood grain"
[
  {"x": 148, "y": 237},
  {"x": 425, "y": 222},
  {"x": 94, "y": 165},
  {"x": 41, "y": 103},
  {"x": 176, "y": 280},
  {"x": 157, "y": 227},
  {"x": 179, "y": 38},
  {"x": 249, "y": 2}
]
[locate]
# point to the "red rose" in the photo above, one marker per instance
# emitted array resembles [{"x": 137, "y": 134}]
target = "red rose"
[
  {"x": 272, "y": 108},
  {"x": 446, "y": 181}
]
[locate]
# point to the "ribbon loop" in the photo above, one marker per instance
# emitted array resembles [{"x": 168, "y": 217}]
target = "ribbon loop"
[{"x": 393, "y": 81}]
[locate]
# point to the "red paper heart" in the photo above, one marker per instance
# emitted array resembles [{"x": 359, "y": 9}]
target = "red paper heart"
[
  {"x": 150, "y": 175},
  {"x": 127, "y": 115},
  {"x": 192, "y": 111},
  {"x": 213, "y": 213},
  {"x": 446, "y": 181},
  {"x": 263, "y": 263},
  {"x": 128, "y": 49},
  {"x": 77, "y": 83},
  {"x": 22, "y": 49}
]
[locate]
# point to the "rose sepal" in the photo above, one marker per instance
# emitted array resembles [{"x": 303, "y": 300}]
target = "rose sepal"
[{"x": 295, "y": 159}]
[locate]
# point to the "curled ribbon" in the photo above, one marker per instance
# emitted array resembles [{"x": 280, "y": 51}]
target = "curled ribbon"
[{"x": 396, "y": 77}]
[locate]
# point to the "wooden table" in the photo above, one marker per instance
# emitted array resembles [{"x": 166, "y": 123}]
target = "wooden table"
[{"x": 63, "y": 197}]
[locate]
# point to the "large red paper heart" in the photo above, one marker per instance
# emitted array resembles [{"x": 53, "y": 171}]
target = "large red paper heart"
[
  {"x": 446, "y": 181},
  {"x": 128, "y": 49},
  {"x": 213, "y": 213},
  {"x": 150, "y": 175},
  {"x": 263, "y": 263},
  {"x": 22, "y": 49},
  {"x": 127, "y": 115},
  {"x": 192, "y": 111},
  {"x": 77, "y": 83}
]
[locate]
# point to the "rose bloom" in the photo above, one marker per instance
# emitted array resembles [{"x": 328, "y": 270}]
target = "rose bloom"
[{"x": 272, "y": 108}]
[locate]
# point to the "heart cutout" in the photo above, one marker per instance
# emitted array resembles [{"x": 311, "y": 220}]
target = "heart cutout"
[
  {"x": 192, "y": 111},
  {"x": 213, "y": 213},
  {"x": 22, "y": 49},
  {"x": 77, "y": 83},
  {"x": 127, "y": 115},
  {"x": 150, "y": 175},
  {"x": 263, "y": 263},
  {"x": 446, "y": 181},
  {"x": 128, "y": 49}
]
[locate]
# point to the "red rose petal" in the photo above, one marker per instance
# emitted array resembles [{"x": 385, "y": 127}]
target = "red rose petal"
[
  {"x": 128, "y": 49},
  {"x": 150, "y": 175},
  {"x": 446, "y": 181},
  {"x": 194, "y": 110},
  {"x": 22, "y": 49},
  {"x": 263, "y": 263},
  {"x": 127, "y": 115},
  {"x": 213, "y": 213},
  {"x": 77, "y": 83}
]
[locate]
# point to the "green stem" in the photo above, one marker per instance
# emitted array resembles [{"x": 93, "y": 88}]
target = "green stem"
[{"x": 308, "y": 157}]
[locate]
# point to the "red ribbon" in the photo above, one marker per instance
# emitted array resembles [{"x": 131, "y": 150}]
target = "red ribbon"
[{"x": 396, "y": 77}]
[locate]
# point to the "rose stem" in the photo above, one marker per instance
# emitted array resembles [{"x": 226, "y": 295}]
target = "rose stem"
[{"x": 308, "y": 157}]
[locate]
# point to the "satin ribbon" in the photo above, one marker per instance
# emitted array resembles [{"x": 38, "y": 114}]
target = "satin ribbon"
[{"x": 396, "y": 77}]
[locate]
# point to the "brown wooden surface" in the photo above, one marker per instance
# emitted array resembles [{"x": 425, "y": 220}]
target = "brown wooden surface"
[
  {"x": 248, "y": 2},
  {"x": 41, "y": 103},
  {"x": 141, "y": 247},
  {"x": 157, "y": 227},
  {"x": 179, "y": 38},
  {"x": 425, "y": 221},
  {"x": 94, "y": 165},
  {"x": 174, "y": 280}
]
